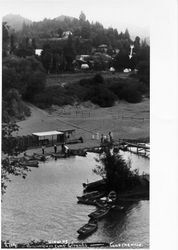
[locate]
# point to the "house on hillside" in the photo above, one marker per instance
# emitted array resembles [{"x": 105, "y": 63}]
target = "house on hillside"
[
  {"x": 103, "y": 48},
  {"x": 83, "y": 62},
  {"x": 66, "y": 34},
  {"x": 38, "y": 52}
]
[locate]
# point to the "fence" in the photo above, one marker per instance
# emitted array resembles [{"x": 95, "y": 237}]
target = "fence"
[{"x": 90, "y": 114}]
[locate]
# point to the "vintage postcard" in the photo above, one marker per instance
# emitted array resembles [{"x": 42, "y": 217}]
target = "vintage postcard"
[{"x": 75, "y": 124}]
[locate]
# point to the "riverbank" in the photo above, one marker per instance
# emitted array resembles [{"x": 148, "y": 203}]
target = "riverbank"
[{"x": 124, "y": 120}]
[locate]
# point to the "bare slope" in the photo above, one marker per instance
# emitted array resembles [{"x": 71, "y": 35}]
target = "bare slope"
[{"x": 125, "y": 120}]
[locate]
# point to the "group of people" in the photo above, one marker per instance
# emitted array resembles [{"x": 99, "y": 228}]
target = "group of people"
[
  {"x": 105, "y": 139},
  {"x": 64, "y": 149}
]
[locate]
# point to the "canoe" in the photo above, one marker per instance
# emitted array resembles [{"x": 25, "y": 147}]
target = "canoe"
[
  {"x": 40, "y": 157},
  {"x": 100, "y": 203},
  {"x": 86, "y": 201},
  {"x": 88, "y": 228},
  {"x": 58, "y": 156},
  {"x": 97, "y": 185},
  {"x": 78, "y": 152},
  {"x": 100, "y": 213},
  {"x": 31, "y": 163},
  {"x": 93, "y": 195},
  {"x": 90, "y": 198}
]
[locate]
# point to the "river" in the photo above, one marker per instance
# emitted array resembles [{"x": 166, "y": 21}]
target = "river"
[{"x": 44, "y": 205}]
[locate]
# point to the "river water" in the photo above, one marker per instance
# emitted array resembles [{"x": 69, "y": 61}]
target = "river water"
[{"x": 44, "y": 205}]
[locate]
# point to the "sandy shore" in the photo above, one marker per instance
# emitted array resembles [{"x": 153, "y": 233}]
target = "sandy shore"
[{"x": 124, "y": 120}]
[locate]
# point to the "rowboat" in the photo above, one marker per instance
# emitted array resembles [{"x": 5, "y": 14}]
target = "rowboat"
[
  {"x": 78, "y": 152},
  {"x": 97, "y": 185},
  {"x": 90, "y": 198},
  {"x": 88, "y": 228},
  {"x": 100, "y": 213},
  {"x": 101, "y": 203},
  {"x": 31, "y": 163},
  {"x": 93, "y": 195},
  {"x": 58, "y": 155}
]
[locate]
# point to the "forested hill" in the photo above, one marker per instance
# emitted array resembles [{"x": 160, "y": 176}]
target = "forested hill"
[
  {"x": 80, "y": 27},
  {"x": 66, "y": 44},
  {"x": 16, "y": 22}
]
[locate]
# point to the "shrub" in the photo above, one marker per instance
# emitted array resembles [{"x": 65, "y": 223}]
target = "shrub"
[
  {"x": 129, "y": 90},
  {"x": 98, "y": 79},
  {"x": 131, "y": 95},
  {"x": 102, "y": 96},
  {"x": 53, "y": 95}
]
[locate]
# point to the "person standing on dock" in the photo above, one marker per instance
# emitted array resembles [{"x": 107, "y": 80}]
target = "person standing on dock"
[
  {"x": 55, "y": 148},
  {"x": 102, "y": 139},
  {"x": 43, "y": 149},
  {"x": 110, "y": 137},
  {"x": 66, "y": 151}
]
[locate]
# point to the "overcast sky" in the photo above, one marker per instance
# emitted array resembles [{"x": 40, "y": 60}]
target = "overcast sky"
[{"x": 119, "y": 14}]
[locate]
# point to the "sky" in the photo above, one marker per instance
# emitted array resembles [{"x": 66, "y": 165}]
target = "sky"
[{"x": 120, "y": 14}]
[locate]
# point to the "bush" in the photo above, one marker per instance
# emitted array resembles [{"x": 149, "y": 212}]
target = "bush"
[
  {"x": 102, "y": 96},
  {"x": 129, "y": 90},
  {"x": 98, "y": 79},
  {"x": 53, "y": 95},
  {"x": 131, "y": 95}
]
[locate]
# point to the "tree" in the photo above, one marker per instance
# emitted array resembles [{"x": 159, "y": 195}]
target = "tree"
[
  {"x": 11, "y": 164},
  {"x": 126, "y": 34},
  {"x": 137, "y": 43},
  {"x": 85, "y": 30},
  {"x": 34, "y": 43},
  {"x": 46, "y": 57},
  {"x": 12, "y": 43},
  {"x": 121, "y": 60},
  {"x": 117, "y": 172},
  {"x": 82, "y": 17},
  {"x": 69, "y": 53},
  {"x": 5, "y": 37},
  {"x": 26, "y": 75}
]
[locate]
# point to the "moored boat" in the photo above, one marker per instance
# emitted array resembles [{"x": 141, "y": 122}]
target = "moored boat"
[
  {"x": 31, "y": 163},
  {"x": 93, "y": 195},
  {"x": 90, "y": 198},
  {"x": 93, "y": 186},
  {"x": 86, "y": 201},
  {"x": 88, "y": 228},
  {"x": 100, "y": 213}
]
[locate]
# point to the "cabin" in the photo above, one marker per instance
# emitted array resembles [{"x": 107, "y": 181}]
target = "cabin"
[
  {"x": 49, "y": 137},
  {"x": 54, "y": 137}
]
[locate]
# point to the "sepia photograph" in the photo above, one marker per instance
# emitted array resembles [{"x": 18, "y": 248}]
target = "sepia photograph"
[{"x": 75, "y": 155}]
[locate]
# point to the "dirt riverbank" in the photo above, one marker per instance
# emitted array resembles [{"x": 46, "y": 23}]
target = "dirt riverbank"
[{"x": 124, "y": 120}]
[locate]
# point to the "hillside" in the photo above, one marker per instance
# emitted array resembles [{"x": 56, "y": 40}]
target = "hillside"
[
  {"x": 16, "y": 21},
  {"x": 63, "y": 17}
]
